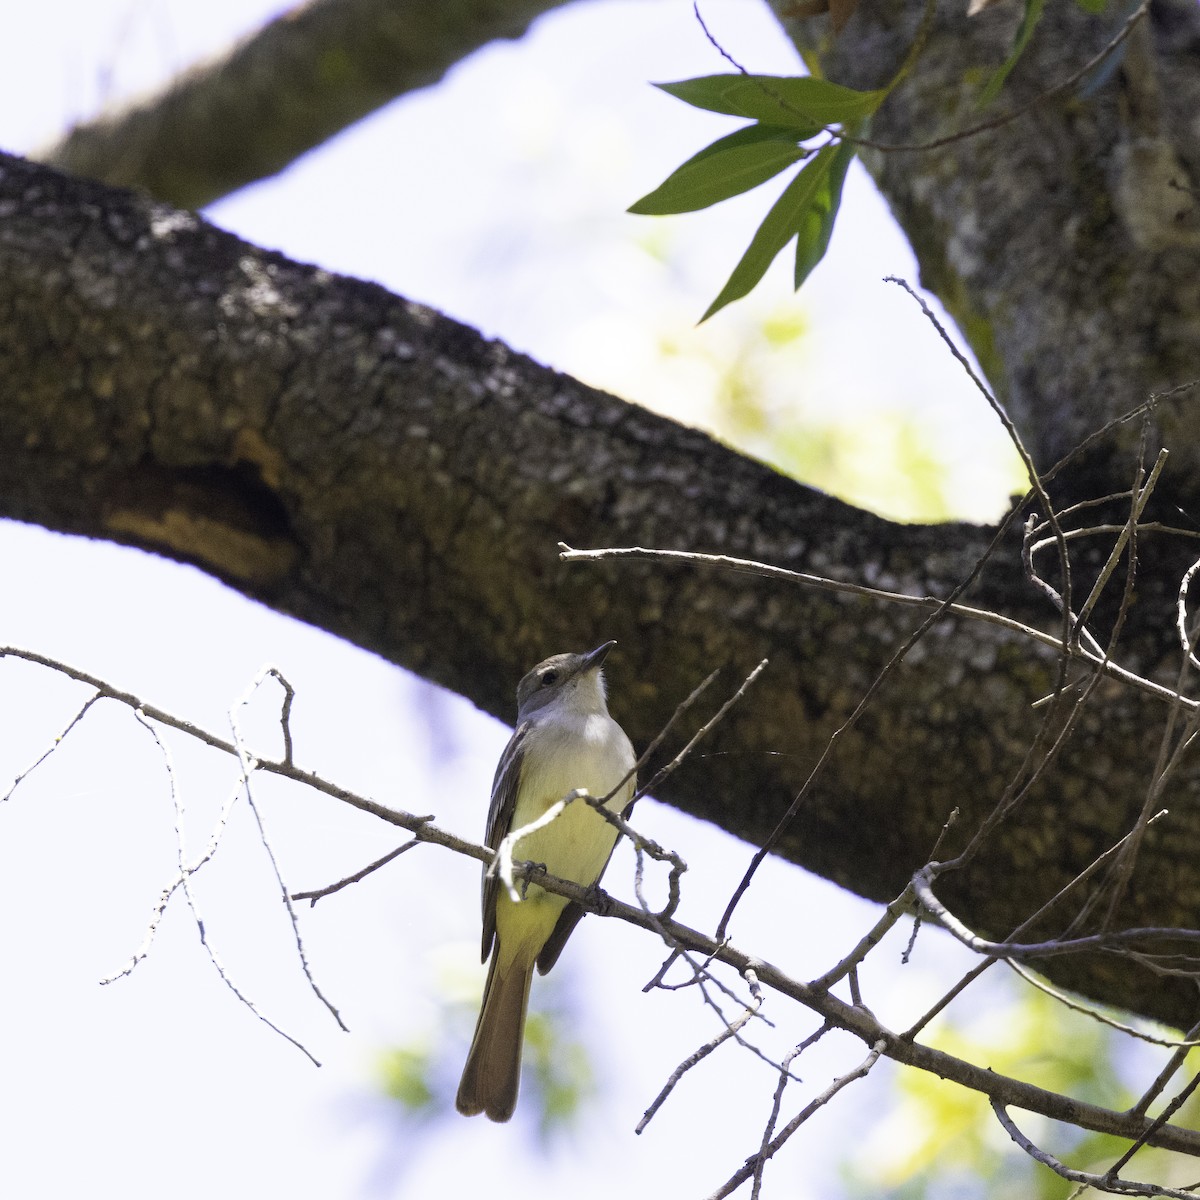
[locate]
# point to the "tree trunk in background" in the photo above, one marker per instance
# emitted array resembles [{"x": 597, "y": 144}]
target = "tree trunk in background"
[{"x": 1065, "y": 242}]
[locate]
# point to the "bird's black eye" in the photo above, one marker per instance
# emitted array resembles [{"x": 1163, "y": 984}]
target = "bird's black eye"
[{"x": 549, "y": 678}]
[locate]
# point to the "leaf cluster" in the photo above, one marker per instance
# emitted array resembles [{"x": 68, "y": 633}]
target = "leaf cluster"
[
  {"x": 787, "y": 114},
  {"x": 794, "y": 119}
]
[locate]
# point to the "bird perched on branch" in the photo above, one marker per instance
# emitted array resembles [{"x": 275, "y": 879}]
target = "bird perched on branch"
[{"x": 564, "y": 740}]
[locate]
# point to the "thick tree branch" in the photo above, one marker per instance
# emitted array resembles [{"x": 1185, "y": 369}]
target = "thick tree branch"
[
  {"x": 382, "y": 471},
  {"x": 302, "y": 78}
]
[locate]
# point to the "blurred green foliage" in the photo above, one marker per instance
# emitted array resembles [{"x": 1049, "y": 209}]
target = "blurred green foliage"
[
  {"x": 942, "y": 1142},
  {"x": 420, "y": 1077},
  {"x": 884, "y": 459}
]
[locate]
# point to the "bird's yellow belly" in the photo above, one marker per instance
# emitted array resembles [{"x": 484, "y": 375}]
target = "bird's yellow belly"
[{"x": 574, "y": 846}]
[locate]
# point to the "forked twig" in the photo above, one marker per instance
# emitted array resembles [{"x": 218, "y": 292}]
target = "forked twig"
[
  {"x": 248, "y": 765},
  {"x": 755, "y": 1162},
  {"x": 226, "y": 978},
  {"x": 697, "y": 1056},
  {"x": 182, "y": 875},
  {"x": 1029, "y": 106}
]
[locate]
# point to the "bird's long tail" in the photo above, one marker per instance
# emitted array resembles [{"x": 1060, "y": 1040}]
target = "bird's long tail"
[{"x": 493, "y": 1072}]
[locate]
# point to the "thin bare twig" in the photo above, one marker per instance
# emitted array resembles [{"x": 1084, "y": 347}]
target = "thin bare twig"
[
  {"x": 421, "y": 827},
  {"x": 1021, "y": 110},
  {"x": 1036, "y": 763},
  {"x": 1088, "y": 1011},
  {"x": 703, "y": 731},
  {"x": 1127, "y": 537},
  {"x": 731, "y": 1029},
  {"x": 902, "y": 904},
  {"x": 760, "y": 1164},
  {"x": 248, "y": 765},
  {"x": 1122, "y": 939},
  {"x": 930, "y": 604},
  {"x": 1170, "y": 753},
  {"x": 1051, "y": 593},
  {"x": 660, "y": 737},
  {"x": 54, "y": 745},
  {"x": 1176, "y": 1103},
  {"x": 702, "y": 978},
  {"x": 1144, "y": 527},
  {"x": 1102, "y": 1183},
  {"x": 754, "y": 1162},
  {"x": 1177, "y": 1059},
  {"x": 1186, "y": 641},
  {"x": 358, "y": 876},
  {"x": 177, "y": 804},
  {"x": 1014, "y": 436},
  {"x": 182, "y": 875},
  {"x": 940, "y": 610}
]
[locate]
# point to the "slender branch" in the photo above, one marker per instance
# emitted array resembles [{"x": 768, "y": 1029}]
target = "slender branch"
[
  {"x": 1120, "y": 1187},
  {"x": 660, "y": 737},
  {"x": 785, "y": 1077},
  {"x": 1176, "y": 1103},
  {"x": 358, "y": 876},
  {"x": 219, "y": 967},
  {"x": 1055, "y": 947},
  {"x": 864, "y": 703},
  {"x": 703, "y": 731},
  {"x": 1128, "y": 531},
  {"x": 902, "y": 904},
  {"x": 1059, "y": 89},
  {"x": 698, "y": 1056},
  {"x": 417, "y": 825},
  {"x": 1186, "y": 641},
  {"x": 754, "y": 1164},
  {"x": 1036, "y": 763},
  {"x": 1086, "y": 1009},
  {"x": 182, "y": 875},
  {"x": 248, "y": 765},
  {"x": 928, "y": 603},
  {"x": 54, "y": 745},
  {"x": 1177, "y": 1059},
  {"x": 1170, "y": 752}
]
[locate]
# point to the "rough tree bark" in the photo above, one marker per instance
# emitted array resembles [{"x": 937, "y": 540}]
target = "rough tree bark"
[{"x": 379, "y": 470}]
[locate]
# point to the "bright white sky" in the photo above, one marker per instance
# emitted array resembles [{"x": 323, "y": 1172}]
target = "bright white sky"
[{"x": 499, "y": 198}]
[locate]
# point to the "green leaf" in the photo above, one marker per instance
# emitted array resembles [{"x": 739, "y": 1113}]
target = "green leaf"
[
  {"x": 730, "y": 166},
  {"x": 1033, "y": 14},
  {"x": 816, "y": 225},
  {"x": 796, "y": 102},
  {"x": 778, "y": 228},
  {"x": 1095, "y": 7}
]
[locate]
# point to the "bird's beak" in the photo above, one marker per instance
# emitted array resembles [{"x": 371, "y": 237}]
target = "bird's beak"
[{"x": 596, "y": 657}]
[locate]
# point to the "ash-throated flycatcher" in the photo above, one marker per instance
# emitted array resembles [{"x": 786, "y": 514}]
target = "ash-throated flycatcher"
[{"x": 564, "y": 740}]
